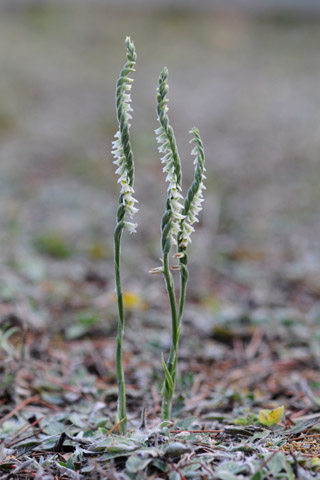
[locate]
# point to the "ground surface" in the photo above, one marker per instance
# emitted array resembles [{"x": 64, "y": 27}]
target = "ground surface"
[{"x": 250, "y": 338}]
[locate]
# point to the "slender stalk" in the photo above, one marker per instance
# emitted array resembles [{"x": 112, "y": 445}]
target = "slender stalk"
[
  {"x": 184, "y": 275},
  {"x": 122, "y": 410},
  {"x": 168, "y": 391}
]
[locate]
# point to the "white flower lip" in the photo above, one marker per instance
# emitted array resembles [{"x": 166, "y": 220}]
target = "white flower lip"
[
  {"x": 131, "y": 227},
  {"x": 156, "y": 270}
]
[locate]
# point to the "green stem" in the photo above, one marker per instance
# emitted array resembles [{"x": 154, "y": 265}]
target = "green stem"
[
  {"x": 167, "y": 392},
  {"x": 182, "y": 297},
  {"x": 122, "y": 409},
  {"x": 184, "y": 274}
]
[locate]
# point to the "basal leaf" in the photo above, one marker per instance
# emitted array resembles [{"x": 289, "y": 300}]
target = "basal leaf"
[{"x": 168, "y": 376}]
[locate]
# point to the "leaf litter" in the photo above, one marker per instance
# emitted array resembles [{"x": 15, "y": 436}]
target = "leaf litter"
[{"x": 247, "y": 403}]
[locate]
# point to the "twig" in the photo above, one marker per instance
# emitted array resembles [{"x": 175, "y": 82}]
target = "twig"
[
  {"x": 202, "y": 465},
  {"x": 295, "y": 467},
  {"x": 59, "y": 443},
  {"x": 18, "y": 469},
  {"x": 116, "y": 426},
  {"x": 18, "y": 440},
  {"x": 143, "y": 419},
  {"x": 197, "y": 383},
  {"x": 26, "y": 428},
  {"x": 255, "y": 341},
  {"x": 308, "y": 393},
  {"x": 267, "y": 460},
  {"x": 19, "y": 407},
  {"x": 177, "y": 470},
  {"x": 197, "y": 431},
  {"x": 49, "y": 405},
  {"x": 155, "y": 399},
  {"x": 310, "y": 455}
]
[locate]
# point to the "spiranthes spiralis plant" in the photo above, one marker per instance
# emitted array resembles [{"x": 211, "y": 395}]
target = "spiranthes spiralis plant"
[
  {"x": 176, "y": 228},
  {"x": 123, "y": 159},
  {"x": 191, "y": 208}
]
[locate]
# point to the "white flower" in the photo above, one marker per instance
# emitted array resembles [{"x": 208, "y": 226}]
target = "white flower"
[
  {"x": 174, "y": 188},
  {"x": 131, "y": 227},
  {"x": 196, "y": 203},
  {"x": 122, "y": 170}
]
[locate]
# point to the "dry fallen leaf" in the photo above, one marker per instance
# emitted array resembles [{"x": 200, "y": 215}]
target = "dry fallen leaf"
[{"x": 271, "y": 417}]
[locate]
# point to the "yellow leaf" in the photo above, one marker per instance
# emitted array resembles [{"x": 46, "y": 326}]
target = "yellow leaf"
[
  {"x": 271, "y": 417},
  {"x": 98, "y": 251},
  {"x": 133, "y": 301},
  {"x": 315, "y": 461}
]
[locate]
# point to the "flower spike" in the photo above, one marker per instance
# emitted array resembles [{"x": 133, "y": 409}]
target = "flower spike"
[
  {"x": 121, "y": 150},
  {"x": 170, "y": 159},
  {"x": 194, "y": 199}
]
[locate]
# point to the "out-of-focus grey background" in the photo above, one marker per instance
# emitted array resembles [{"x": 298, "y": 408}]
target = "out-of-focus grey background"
[{"x": 246, "y": 73}]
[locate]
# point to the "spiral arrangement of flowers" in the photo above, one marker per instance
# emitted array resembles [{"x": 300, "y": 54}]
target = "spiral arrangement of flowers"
[{"x": 121, "y": 150}]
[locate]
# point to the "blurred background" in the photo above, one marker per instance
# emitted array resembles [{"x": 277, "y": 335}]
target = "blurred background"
[{"x": 246, "y": 73}]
